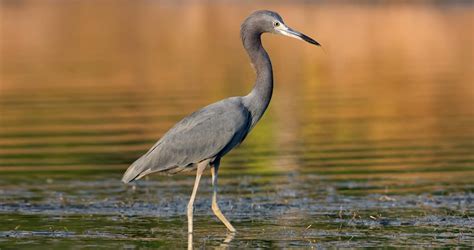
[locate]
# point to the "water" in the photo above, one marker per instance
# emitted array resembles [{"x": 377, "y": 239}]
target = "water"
[{"x": 367, "y": 142}]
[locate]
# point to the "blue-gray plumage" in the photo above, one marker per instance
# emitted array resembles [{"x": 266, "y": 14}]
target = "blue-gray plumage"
[{"x": 204, "y": 137}]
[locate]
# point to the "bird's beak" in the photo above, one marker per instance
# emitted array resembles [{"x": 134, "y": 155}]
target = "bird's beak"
[{"x": 287, "y": 31}]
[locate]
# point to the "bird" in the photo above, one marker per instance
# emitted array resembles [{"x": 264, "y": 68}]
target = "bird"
[{"x": 201, "y": 139}]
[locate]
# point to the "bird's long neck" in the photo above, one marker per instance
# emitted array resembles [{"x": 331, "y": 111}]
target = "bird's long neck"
[{"x": 258, "y": 99}]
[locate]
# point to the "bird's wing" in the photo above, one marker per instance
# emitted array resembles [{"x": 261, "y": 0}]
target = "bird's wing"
[{"x": 204, "y": 134}]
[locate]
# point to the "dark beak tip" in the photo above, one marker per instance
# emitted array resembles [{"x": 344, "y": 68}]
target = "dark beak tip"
[
  {"x": 310, "y": 40},
  {"x": 304, "y": 37}
]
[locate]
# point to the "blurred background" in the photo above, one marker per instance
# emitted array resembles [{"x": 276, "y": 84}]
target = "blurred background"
[{"x": 382, "y": 114}]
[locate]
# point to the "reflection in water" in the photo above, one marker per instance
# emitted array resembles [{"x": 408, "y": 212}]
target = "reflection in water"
[
  {"x": 371, "y": 139},
  {"x": 224, "y": 245},
  {"x": 190, "y": 241},
  {"x": 229, "y": 237}
]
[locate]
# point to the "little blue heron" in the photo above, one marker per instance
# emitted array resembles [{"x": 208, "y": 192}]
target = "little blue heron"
[{"x": 204, "y": 137}]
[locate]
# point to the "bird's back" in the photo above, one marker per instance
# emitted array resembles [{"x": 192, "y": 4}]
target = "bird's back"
[{"x": 205, "y": 134}]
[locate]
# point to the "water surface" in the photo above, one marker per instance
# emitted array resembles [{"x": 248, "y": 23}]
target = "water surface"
[{"x": 367, "y": 142}]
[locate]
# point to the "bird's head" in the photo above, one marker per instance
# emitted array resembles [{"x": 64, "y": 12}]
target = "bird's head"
[{"x": 265, "y": 21}]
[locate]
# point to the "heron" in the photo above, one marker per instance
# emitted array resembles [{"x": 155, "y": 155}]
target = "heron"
[{"x": 200, "y": 140}]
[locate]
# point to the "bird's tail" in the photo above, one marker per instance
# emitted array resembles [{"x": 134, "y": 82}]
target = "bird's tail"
[{"x": 136, "y": 171}]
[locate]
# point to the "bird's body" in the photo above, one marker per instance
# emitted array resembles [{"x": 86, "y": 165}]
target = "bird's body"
[
  {"x": 229, "y": 117},
  {"x": 205, "y": 136}
]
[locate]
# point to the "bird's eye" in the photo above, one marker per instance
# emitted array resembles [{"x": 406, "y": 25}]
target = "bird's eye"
[{"x": 276, "y": 24}]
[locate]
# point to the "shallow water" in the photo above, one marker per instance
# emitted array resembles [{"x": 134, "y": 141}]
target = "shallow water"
[{"x": 368, "y": 142}]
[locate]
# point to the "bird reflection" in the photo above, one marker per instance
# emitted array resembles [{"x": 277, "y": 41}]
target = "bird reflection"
[
  {"x": 190, "y": 241},
  {"x": 225, "y": 244},
  {"x": 229, "y": 237}
]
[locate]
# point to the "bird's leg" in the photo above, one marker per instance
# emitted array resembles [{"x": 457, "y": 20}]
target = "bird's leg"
[
  {"x": 215, "y": 207},
  {"x": 200, "y": 168}
]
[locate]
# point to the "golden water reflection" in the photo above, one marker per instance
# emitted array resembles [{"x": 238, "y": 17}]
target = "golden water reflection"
[{"x": 88, "y": 84}]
